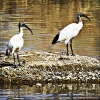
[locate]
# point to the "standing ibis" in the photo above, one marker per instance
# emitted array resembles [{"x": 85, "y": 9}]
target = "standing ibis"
[
  {"x": 69, "y": 32},
  {"x": 16, "y": 42}
]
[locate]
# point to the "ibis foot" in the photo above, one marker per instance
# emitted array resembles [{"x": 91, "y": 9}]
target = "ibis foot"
[
  {"x": 15, "y": 66},
  {"x": 72, "y": 54},
  {"x": 19, "y": 64},
  {"x": 67, "y": 54}
]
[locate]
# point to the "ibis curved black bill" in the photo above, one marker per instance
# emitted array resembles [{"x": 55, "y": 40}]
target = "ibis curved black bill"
[
  {"x": 83, "y": 15},
  {"x": 28, "y": 28}
]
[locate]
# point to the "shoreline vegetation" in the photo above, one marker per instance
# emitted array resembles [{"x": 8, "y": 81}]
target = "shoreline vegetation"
[{"x": 45, "y": 67}]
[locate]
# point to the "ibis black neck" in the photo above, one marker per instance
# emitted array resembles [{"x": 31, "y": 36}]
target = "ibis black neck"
[{"x": 79, "y": 19}]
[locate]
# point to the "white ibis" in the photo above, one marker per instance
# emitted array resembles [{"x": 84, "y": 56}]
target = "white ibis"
[
  {"x": 69, "y": 32},
  {"x": 16, "y": 42}
]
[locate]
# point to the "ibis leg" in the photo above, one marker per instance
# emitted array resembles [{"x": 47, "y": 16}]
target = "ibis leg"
[
  {"x": 14, "y": 59},
  {"x": 18, "y": 59},
  {"x": 67, "y": 48},
  {"x": 71, "y": 48}
]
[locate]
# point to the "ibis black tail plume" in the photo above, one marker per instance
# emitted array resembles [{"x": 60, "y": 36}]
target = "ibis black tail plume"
[{"x": 55, "y": 39}]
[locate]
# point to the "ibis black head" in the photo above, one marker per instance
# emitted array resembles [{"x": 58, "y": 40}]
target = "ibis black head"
[
  {"x": 21, "y": 24},
  {"x": 80, "y": 14}
]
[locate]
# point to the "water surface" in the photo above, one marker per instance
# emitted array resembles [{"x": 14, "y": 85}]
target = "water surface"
[{"x": 51, "y": 91}]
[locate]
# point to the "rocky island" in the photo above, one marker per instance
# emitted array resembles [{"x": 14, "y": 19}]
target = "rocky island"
[{"x": 44, "y": 67}]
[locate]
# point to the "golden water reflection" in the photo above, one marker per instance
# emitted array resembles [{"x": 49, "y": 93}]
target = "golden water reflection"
[{"x": 46, "y": 18}]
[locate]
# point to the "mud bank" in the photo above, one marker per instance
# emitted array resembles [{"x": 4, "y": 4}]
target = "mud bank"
[{"x": 49, "y": 67}]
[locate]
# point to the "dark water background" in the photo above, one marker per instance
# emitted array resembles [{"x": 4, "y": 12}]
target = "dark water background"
[{"x": 46, "y": 18}]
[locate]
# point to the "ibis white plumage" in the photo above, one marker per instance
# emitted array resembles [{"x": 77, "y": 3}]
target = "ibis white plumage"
[
  {"x": 16, "y": 42},
  {"x": 69, "y": 32}
]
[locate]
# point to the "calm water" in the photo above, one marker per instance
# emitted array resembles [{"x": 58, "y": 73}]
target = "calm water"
[
  {"x": 51, "y": 92},
  {"x": 46, "y": 18}
]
